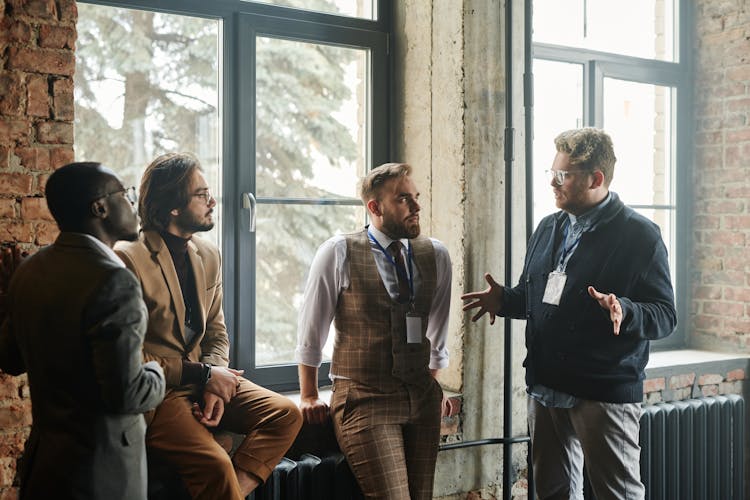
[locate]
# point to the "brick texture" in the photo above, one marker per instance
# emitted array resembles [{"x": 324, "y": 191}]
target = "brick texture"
[
  {"x": 37, "y": 61},
  {"x": 720, "y": 285}
]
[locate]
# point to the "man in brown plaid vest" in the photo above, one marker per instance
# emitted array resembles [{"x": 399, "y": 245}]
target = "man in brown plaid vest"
[{"x": 387, "y": 290}]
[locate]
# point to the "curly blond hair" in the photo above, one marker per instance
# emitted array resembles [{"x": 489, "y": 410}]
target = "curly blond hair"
[{"x": 589, "y": 149}]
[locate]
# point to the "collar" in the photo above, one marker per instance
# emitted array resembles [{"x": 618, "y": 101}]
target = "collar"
[
  {"x": 99, "y": 244},
  {"x": 383, "y": 239},
  {"x": 589, "y": 219},
  {"x": 175, "y": 244}
]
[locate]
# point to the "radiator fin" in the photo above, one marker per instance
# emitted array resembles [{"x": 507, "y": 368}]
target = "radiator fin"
[
  {"x": 310, "y": 478},
  {"x": 692, "y": 450}
]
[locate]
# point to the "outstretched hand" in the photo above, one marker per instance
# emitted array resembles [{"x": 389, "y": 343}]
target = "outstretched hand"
[
  {"x": 488, "y": 301},
  {"x": 610, "y": 303}
]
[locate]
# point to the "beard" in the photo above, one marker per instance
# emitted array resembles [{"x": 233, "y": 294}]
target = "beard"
[
  {"x": 400, "y": 229},
  {"x": 190, "y": 223}
]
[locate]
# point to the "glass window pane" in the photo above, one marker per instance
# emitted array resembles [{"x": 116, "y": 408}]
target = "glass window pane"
[
  {"x": 312, "y": 142},
  {"x": 351, "y": 8},
  {"x": 287, "y": 239},
  {"x": 558, "y": 106},
  {"x": 641, "y": 28},
  {"x": 638, "y": 117},
  {"x": 311, "y": 109},
  {"x": 147, "y": 83}
]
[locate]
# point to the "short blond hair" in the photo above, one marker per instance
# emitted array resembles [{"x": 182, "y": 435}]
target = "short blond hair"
[
  {"x": 369, "y": 186},
  {"x": 589, "y": 149}
]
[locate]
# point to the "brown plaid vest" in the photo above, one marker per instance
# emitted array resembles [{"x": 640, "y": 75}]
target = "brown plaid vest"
[{"x": 370, "y": 345}]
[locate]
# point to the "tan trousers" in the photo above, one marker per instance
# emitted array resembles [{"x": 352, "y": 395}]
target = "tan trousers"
[
  {"x": 390, "y": 439},
  {"x": 269, "y": 421}
]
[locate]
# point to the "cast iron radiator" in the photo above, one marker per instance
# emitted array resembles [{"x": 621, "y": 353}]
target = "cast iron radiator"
[
  {"x": 693, "y": 449},
  {"x": 310, "y": 478}
]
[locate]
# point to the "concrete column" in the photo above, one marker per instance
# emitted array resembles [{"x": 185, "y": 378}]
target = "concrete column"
[{"x": 449, "y": 122}]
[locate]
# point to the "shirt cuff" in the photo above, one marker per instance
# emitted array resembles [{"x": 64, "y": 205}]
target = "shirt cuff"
[
  {"x": 438, "y": 362},
  {"x": 308, "y": 356}
]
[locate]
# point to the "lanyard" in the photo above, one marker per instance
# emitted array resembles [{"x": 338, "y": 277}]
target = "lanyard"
[
  {"x": 409, "y": 278},
  {"x": 567, "y": 251}
]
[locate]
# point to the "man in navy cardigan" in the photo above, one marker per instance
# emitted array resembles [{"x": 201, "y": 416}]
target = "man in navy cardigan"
[{"x": 595, "y": 290}]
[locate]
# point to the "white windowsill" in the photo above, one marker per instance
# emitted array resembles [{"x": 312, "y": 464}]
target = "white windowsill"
[{"x": 662, "y": 359}]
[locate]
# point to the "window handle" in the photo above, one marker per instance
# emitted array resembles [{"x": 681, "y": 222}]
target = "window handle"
[{"x": 249, "y": 203}]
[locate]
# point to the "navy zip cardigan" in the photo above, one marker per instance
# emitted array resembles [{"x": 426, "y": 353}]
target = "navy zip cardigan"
[{"x": 571, "y": 347}]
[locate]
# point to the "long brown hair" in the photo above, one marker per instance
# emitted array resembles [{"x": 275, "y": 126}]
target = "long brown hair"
[{"x": 164, "y": 187}]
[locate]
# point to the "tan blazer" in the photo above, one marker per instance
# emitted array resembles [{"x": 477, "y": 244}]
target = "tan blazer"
[{"x": 152, "y": 264}]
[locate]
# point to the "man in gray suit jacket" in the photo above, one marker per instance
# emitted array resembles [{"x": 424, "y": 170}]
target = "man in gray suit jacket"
[{"x": 76, "y": 321}]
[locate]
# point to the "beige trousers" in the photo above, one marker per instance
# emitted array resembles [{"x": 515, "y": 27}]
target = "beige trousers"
[{"x": 604, "y": 435}]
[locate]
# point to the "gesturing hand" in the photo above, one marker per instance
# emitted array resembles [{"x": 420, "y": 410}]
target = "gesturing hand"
[
  {"x": 609, "y": 302},
  {"x": 488, "y": 301}
]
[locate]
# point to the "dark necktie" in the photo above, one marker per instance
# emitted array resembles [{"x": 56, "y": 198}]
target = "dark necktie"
[{"x": 403, "y": 280}]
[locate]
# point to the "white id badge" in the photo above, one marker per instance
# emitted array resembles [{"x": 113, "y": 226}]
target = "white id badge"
[
  {"x": 413, "y": 329},
  {"x": 555, "y": 284}
]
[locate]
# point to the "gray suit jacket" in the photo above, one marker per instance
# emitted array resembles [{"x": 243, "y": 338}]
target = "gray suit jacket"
[{"x": 76, "y": 323}]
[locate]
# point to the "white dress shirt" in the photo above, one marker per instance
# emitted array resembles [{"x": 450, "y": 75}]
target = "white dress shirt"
[{"x": 329, "y": 276}]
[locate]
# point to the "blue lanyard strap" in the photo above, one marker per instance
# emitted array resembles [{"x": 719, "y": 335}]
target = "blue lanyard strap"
[
  {"x": 566, "y": 251},
  {"x": 409, "y": 278}
]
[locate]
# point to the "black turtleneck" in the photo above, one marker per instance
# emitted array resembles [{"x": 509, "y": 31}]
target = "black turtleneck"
[{"x": 178, "y": 249}]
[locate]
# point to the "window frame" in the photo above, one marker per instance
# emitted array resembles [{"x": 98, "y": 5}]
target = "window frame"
[
  {"x": 677, "y": 75},
  {"x": 238, "y": 121}
]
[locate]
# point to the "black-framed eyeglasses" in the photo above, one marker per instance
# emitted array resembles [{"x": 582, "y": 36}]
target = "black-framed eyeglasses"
[
  {"x": 130, "y": 194},
  {"x": 206, "y": 196}
]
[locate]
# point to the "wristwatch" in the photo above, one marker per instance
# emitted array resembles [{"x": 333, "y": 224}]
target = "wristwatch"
[{"x": 206, "y": 373}]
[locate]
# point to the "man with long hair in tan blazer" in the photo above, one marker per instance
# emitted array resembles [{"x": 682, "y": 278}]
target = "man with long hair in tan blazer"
[
  {"x": 182, "y": 285},
  {"x": 387, "y": 290}
]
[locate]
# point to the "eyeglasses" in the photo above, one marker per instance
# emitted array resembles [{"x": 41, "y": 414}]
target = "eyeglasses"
[
  {"x": 559, "y": 175},
  {"x": 206, "y": 196},
  {"x": 130, "y": 194}
]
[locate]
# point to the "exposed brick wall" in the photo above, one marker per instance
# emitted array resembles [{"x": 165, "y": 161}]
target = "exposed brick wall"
[
  {"x": 690, "y": 383},
  {"x": 720, "y": 306},
  {"x": 37, "y": 61}
]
